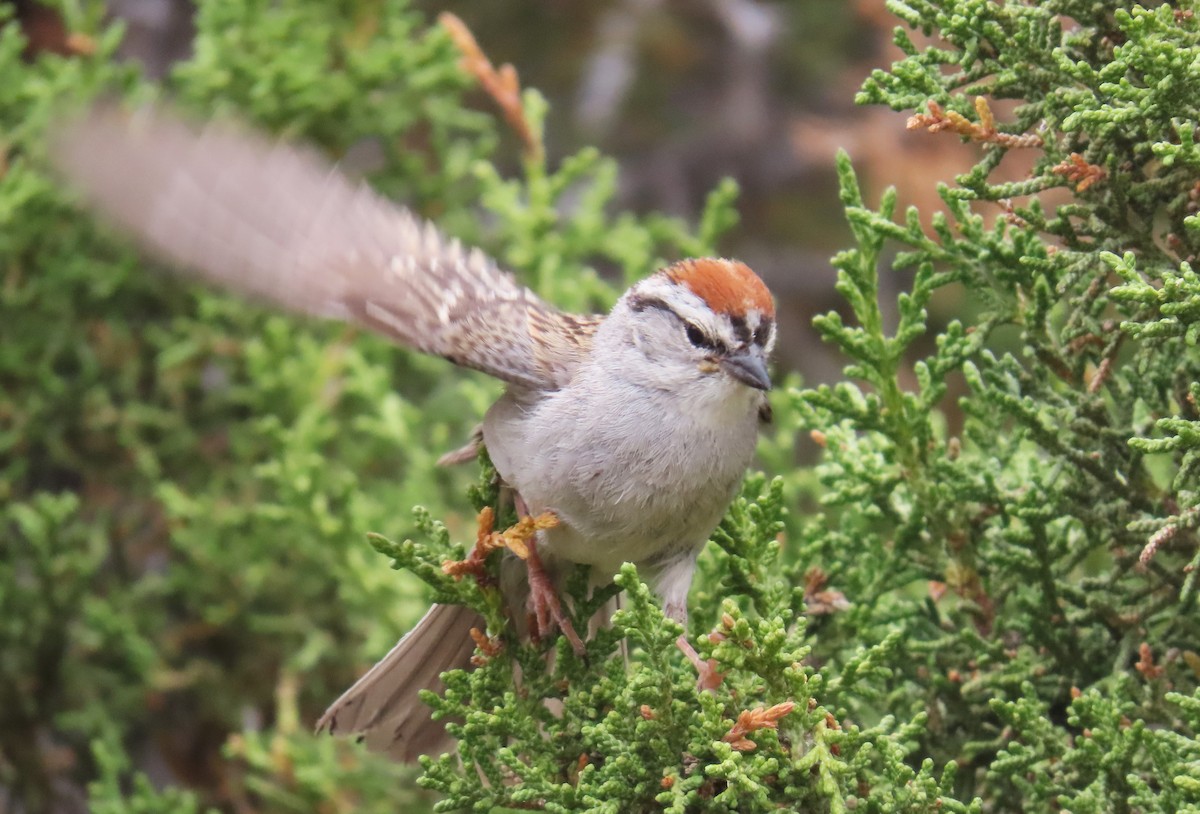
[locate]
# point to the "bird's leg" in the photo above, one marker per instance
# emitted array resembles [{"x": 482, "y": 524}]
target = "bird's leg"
[
  {"x": 543, "y": 599},
  {"x": 672, "y": 581},
  {"x": 547, "y": 609}
]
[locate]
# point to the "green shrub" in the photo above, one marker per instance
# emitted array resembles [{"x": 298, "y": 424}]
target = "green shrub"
[{"x": 985, "y": 602}]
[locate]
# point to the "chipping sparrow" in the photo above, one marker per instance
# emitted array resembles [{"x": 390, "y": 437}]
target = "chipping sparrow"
[{"x": 633, "y": 429}]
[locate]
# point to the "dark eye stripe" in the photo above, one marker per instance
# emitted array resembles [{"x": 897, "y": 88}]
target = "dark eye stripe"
[
  {"x": 643, "y": 303},
  {"x": 695, "y": 334},
  {"x": 740, "y": 329},
  {"x": 762, "y": 333}
]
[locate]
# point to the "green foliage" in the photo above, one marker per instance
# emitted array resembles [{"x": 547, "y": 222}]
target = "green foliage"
[
  {"x": 108, "y": 797},
  {"x": 1038, "y": 562},
  {"x": 286, "y": 769},
  {"x": 633, "y": 732},
  {"x": 990, "y": 606}
]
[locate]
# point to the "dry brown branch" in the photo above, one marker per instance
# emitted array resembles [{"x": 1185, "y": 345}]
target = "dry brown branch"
[
  {"x": 489, "y": 647},
  {"x": 515, "y": 538},
  {"x": 502, "y": 85},
  {"x": 81, "y": 44},
  {"x": 1157, "y": 539},
  {"x": 1103, "y": 371},
  {"x": 1010, "y": 213},
  {"x": 939, "y": 119},
  {"x": 752, "y": 720},
  {"x": 817, "y": 598},
  {"x": 1075, "y": 168},
  {"x": 485, "y": 543},
  {"x": 1145, "y": 663}
]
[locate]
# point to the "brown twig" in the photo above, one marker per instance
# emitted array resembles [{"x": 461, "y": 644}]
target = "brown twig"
[
  {"x": 817, "y": 598},
  {"x": 939, "y": 119},
  {"x": 1108, "y": 357},
  {"x": 752, "y": 720},
  {"x": 1157, "y": 539},
  {"x": 489, "y": 647},
  {"x": 515, "y": 538},
  {"x": 1145, "y": 663},
  {"x": 502, "y": 85},
  {"x": 1103, "y": 371},
  {"x": 1010, "y": 213},
  {"x": 1075, "y": 168},
  {"x": 81, "y": 44}
]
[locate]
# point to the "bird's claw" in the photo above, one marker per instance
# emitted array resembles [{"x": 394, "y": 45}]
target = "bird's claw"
[{"x": 545, "y": 605}]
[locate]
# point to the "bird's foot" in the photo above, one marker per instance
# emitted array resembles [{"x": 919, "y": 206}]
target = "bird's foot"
[
  {"x": 521, "y": 540},
  {"x": 707, "y": 676},
  {"x": 544, "y": 603},
  {"x": 518, "y": 538}
]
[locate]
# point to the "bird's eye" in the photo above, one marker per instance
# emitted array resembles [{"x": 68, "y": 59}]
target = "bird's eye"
[
  {"x": 760, "y": 335},
  {"x": 699, "y": 338}
]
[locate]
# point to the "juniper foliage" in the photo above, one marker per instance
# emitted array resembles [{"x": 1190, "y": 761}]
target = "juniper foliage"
[{"x": 983, "y": 598}]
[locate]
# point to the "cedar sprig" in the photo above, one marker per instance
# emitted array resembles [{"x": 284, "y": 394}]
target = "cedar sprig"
[
  {"x": 750, "y": 721},
  {"x": 938, "y": 119},
  {"x": 502, "y": 84},
  {"x": 1076, "y": 169}
]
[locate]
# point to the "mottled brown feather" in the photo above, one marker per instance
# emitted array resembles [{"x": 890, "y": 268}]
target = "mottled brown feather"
[{"x": 279, "y": 224}]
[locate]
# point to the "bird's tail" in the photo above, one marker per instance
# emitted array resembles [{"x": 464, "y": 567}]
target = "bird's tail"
[{"x": 382, "y": 707}]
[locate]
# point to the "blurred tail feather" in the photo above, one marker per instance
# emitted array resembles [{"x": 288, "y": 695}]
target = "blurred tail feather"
[{"x": 383, "y": 706}]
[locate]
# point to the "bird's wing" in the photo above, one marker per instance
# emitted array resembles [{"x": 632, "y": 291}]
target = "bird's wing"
[{"x": 277, "y": 223}]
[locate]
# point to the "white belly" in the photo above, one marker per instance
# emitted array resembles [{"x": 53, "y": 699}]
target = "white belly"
[{"x": 630, "y": 477}]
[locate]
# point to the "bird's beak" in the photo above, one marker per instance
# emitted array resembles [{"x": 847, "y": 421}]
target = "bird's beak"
[{"x": 749, "y": 367}]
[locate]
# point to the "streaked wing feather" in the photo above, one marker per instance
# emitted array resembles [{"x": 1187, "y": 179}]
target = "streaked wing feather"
[{"x": 277, "y": 223}]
